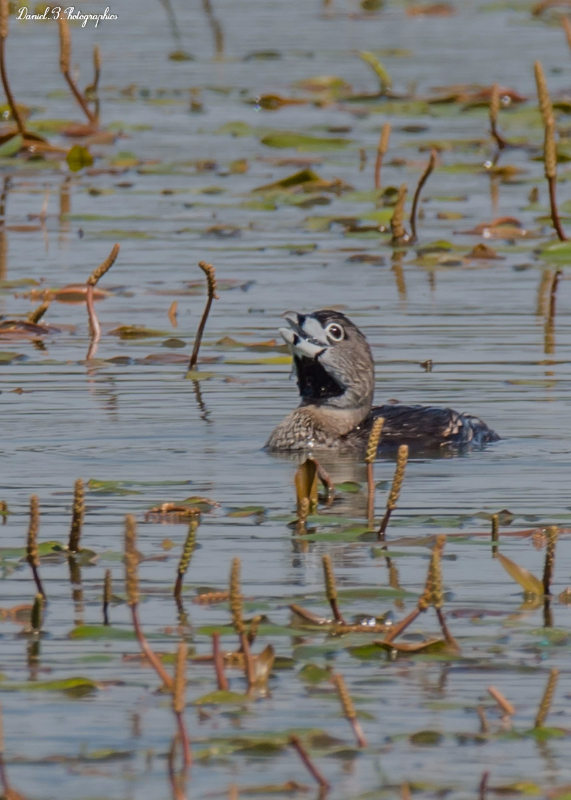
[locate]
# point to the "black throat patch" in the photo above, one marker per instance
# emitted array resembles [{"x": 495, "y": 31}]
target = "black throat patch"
[{"x": 314, "y": 382}]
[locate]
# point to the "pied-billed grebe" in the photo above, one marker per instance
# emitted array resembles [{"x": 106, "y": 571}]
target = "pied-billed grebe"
[{"x": 336, "y": 378}]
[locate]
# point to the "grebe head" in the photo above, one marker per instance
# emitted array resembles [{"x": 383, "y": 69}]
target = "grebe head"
[{"x": 332, "y": 360}]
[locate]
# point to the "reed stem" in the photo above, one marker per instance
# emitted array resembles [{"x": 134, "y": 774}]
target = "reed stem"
[
  {"x": 295, "y": 742},
  {"x": 32, "y": 553},
  {"x": 179, "y": 702},
  {"x": 349, "y": 708},
  {"x": 331, "y": 588},
  {"x": 218, "y": 658},
  {"x": 185, "y": 559},
  {"x": 107, "y": 595},
  {"x": 210, "y": 273},
  {"x": 402, "y": 458},
  {"x": 65, "y": 64},
  {"x": 547, "y": 699},
  {"x": 77, "y": 516},
  {"x": 382, "y": 148},
  {"x": 423, "y": 178},
  {"x": 95, "y": 276}
]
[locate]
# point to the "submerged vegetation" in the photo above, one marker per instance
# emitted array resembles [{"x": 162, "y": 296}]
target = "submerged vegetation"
[{"x": 312, "y": 669}]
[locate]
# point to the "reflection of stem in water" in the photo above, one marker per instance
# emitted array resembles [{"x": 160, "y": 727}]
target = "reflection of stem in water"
[
  {"x": 76, "y": 589},
  {"x": 543, "y": 293},
  {"x": 398, "y": 272},
  {"x": 494, "y": 191},
  {"x": 218, "y": 659},
  {"x": 553, "y": 293},
  {"x": 483, "y": 786},
  {"x": 107, "y": 595},
  {"x": 382, "y": 148},
  {"x": 215, "y": 27},
  {"x": 204, "y": 412},
  {"x": 173, "y": 24}
]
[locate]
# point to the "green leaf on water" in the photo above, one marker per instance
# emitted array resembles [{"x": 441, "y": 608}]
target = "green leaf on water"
[
  {"x": 78, "y": 157},
  {"x": 73, "y": 687},
  {"x": 44, "y": 549},
  {"x": 301, "y": 141},
  {"x": 221, "y": 697},
  {"x": 527, "y": 581},
  {"x": 109, "y": 487},
  {"x": 100, "y": 632},
  {"x": 350, "y": 487},
  {"x": 385, "y": 80},
  {"x": 247, "y": 511},
  {"x": 136, "y": 332},
  {"x": 11, "y": 147},
  {"x": 426, "y": 738},
  {"x": 558, "y": 252},
  {"x": 311, "y": 673},
  {"x": 7, "y": 357}
]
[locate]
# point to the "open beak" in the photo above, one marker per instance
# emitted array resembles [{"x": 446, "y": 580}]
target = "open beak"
[{"x": 303, "y": 342}]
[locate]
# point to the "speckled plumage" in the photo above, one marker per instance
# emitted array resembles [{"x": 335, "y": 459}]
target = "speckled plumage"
[{"x": 335, "y": 375}]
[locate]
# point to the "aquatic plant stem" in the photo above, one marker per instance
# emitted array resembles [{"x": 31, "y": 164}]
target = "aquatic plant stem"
[
  {"x": 32, "y": 554},
  {"x": 179, "y": 702},
  {"x": 210, "y": 273},
  {"x": 4, "y": 12},
  {"x": 483, "y": 788},
  {"x": 503, "y": 703},
  {"x": 331, "y": 588},
  {"x": 403, "y": 625},
  {"x": 495, "y": 534},
  {"x": 371, "y": 454},
  {"x": 552, "y": 533},
  {"x": 77, "y": 516},
  {"x": 553, "y": 294},
  {"x": 494, "y": 111},
  {"x": 547, "y": 699},
  {"x": 423, "y": 178},
  {"x": 132, "y": 586},
  {"x": 217, "y": 657},
  {"x": 184, "y": 562},
  {"x": 65, "y": 64},
  {"x": 402, "y": 458},
  {"x": 295, "y": 742},
  {"x": 92, "y": 281},
  {"x": 248, "y": 661},
  {"x": 107, "y": 595},
  {"x": 349, "y": 708},
  {"x": 382, "y": 148}
]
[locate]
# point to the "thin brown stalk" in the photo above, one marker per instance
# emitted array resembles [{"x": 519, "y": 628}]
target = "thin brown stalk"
[
  {"x": 370, "y": 456},
  {"x": 65, "y": 66},
  {"x": 405, "y": 792},
  {"x": 248, "y": 660},
  {"x": 549, "y": 149},
  {"x": 179, "y": 702},
  {"x": 32, "y": 554},
  {"x": 483, "y": 788},
  {"x": 4, "y": 13},
  {"x": 503, "y": 703},
  {"x": 236, "y": 597},
  {"x": 35, "y": 316},
  {"x": 36, "y": 617},
  {"x": 132, "y": 585},
  {"x": 92, "y": 281},
  {"x": 494, "y": 113},
  {"x": 77, "y": 516},
  {"x": 349, "y": 708},
  {"x": 177, "y": 782},
  {"x": 331, "y": 588},
  {"x": 550, "y": 160},
  {"x": 553, "y": 293},
  {"x": 402, "y": 458},
  {"x": 382, "y": 148},
  {"x": 90, "y": 92},
  {"x": 4, "y": 782},
  {"x": 423, "y": 178},
  {"x": 495, "y": 534},
  {"x": 210, "y": 273},
  {"x": 218, "y": 658},
  {"x": 552, "y": 533},
  {"x": 396, "y": 630},
  {"x": 567, "y": 28},
  {"x": 107, "y": 595},
  {"x": 547, "y": 699},
  {"x": 399, "y": 235},
  {"x": 185, "y": 558},
  {"x": 296, "y": 743}
]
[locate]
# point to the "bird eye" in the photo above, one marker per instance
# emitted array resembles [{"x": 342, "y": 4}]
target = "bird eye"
[{"x": 335, "y": 331}]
